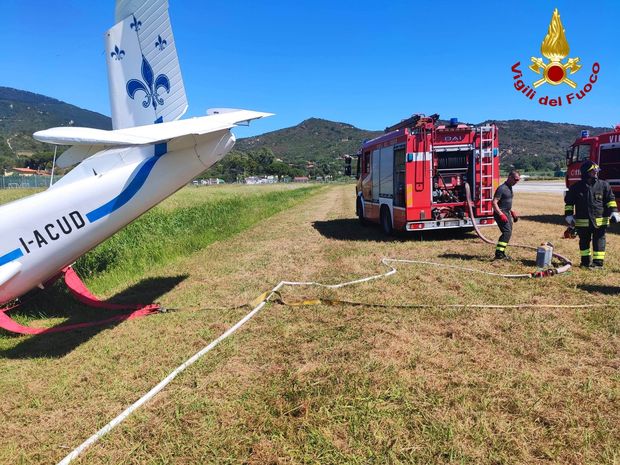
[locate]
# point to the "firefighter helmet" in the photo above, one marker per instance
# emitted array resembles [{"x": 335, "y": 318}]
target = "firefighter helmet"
[{"x": 588, "y": 166}]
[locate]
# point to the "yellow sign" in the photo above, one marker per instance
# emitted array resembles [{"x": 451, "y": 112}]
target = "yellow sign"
[{"x": 555, "y": 48}]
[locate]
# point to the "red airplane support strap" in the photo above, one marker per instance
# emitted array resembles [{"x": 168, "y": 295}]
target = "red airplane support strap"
[
  {"x": 11, "y": 325},
  {"x": 81, "y": 293}
]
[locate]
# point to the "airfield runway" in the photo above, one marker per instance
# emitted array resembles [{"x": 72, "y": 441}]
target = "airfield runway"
[{"x": 543, "y": 187}]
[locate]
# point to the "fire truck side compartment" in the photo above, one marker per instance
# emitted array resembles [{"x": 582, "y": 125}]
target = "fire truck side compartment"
[
  {"x": 386, "y": 172},
  {"x": 399, "y": 175},
  {"x": 376, "y": 173},
  {"x": 453, "y": 161},
  {"x": 452, "y": 171}
]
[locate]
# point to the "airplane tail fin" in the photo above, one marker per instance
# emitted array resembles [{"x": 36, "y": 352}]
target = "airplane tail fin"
[{"x": 143, "y": 68}]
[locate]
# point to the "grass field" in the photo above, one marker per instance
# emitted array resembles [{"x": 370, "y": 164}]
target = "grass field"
[
  {"x": 183, "y": 224},
  {"x": 335, "y": 384}
]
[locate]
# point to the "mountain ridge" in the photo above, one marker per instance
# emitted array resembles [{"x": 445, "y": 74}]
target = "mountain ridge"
[
  {"x": 524, "y": 144},
  {"x": 22, "y": 113},
  {"x": 315, "y": 146}
]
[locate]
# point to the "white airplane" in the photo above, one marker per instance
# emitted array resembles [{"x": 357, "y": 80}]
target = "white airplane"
[{"x": 122, "y": 173}]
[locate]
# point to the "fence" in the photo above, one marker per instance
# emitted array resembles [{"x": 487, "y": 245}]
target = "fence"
[{"x": 25, "y": 182}]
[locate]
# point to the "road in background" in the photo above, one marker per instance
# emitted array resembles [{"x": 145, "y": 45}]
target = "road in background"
[{"x": 547, "y": 187}]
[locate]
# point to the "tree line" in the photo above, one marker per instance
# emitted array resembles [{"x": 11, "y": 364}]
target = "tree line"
[{"x": 238, "y": 165}]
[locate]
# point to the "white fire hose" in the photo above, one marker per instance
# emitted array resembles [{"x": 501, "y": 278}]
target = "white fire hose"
[
  {"x": 266, "y": 297},
  {"x": 567, "y": 264}
]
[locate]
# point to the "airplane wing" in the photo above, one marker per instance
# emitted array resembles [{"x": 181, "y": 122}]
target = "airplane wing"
[
  {"x": 149, "y": 134},
  {"x": 87, "y": 142}
]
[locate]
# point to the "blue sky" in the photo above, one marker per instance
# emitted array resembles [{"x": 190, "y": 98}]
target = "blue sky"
[{"x": 362, "y": 62}]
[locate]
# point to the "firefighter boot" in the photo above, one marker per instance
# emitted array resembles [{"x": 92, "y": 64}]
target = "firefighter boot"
[
  {"x": 599, "y": 257},
  {"x": 585, "y": 261},
  {"x": 501, "y": 256}
]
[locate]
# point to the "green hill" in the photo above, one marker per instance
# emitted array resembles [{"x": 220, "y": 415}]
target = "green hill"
[
  {"x": 313, "y": 140},
  {"x": 316, "y": 146},
  {"x": 313, "y": 147},
  {"x": 538, "y": 145},
  {"x": 23, "y": 113}
]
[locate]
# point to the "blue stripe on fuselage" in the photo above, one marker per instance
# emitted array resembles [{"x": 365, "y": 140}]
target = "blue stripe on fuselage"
[
  {"x": 11, "y": 256},
  {"x": 133, "y": 187}
]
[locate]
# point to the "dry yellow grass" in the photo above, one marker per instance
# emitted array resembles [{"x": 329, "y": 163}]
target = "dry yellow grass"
[{"x": 339, "y": 384}]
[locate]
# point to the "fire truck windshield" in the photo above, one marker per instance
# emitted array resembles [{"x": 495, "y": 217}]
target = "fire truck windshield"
[{"x": 579, "y": 153}]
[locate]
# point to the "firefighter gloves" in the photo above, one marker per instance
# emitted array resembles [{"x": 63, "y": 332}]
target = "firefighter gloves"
[
  {"x": 615, "y": 217},
  {"x": 570, "y": 233},
  {"x": 503, "y": 218},
  {"x": 514, "y": 215}
]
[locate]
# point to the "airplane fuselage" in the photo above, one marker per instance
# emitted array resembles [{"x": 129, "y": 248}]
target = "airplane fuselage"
[{"x": 42, "y": 234}]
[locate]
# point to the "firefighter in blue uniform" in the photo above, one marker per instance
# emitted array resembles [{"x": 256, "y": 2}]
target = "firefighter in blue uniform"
[{"x": 589, "y": 205}]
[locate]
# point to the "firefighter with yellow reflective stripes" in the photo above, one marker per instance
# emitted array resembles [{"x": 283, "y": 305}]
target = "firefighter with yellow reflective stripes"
[
  {"x": 503, "y": 213},
  {"x": 589, "y": 205}
]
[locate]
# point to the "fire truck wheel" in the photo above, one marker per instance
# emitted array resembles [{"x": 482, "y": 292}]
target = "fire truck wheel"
[
  {"x": 359, "y": 211},
  {"x": 386, "y": 221}
]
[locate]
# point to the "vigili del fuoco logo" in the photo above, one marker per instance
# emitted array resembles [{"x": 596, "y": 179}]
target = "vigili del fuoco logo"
[{"x": 556, "y": 71}]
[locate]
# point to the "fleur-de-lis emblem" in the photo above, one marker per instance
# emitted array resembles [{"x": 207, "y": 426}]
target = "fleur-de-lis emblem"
[
  {"x": 117, "y": 54},
  {"x": 136, "y": 24},
  {"x": 150, "y": 86},
  {"x": 161, "y": 43}
]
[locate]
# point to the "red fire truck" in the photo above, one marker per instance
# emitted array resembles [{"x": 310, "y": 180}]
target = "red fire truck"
[
  {"x": 604, "y": 150},
  {"x": 413, "y": 177}
]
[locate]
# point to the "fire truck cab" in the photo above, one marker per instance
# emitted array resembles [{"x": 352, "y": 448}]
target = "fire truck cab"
[
  {"x": 413, "y": 177},
  {"x": 604, "y": 150}
]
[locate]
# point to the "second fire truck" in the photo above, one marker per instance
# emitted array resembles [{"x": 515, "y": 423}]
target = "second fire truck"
[
  {"x": 413, "y": 177},
  {"x": 604, "y": 150}
]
